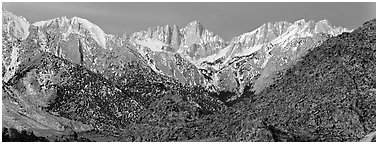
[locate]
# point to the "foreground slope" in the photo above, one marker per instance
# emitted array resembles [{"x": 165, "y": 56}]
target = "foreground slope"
[{"x": 328, "y": 96}]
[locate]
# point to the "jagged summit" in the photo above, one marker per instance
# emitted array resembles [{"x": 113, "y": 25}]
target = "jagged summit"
[
  {"x": 194, "y": 31},
  {"x": 195, "y": 23},
  {"x": 195, "y": 34},
  {"x": 193, "y": 41},
  {"x": 324, "y": 21},
  {"x": 300, "y": 22}
]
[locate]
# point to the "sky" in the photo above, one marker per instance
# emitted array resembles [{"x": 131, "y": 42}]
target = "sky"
[{"x": 225, "y": 19}]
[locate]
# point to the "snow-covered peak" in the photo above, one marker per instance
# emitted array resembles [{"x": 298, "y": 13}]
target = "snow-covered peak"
[
  {"x": 278, "y": 34},
  {"x": 193, "y": 28},
  {"x": 76, "y": 25},
  {"x": 301, "y": 28},
  {"x": 193, "y": 40},
  {"x": 59, "y": 21},
  {"x": 97, "y": 33},
  {"x": 300, "y": 22},
  {"x": 324, "y": 21},
  {"x": 20, "y": 28},
  {"x": 194, "y": 23},
  {"x": 259, "y": 34},
  {"x": 250, "y": 42},
  {"x": 324, "y": 26}
]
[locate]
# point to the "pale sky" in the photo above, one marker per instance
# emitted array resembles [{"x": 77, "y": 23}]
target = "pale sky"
[{"x": 225, "y": 19}]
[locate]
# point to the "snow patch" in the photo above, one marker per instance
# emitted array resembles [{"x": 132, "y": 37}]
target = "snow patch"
[
  {"x": 294, "y": 49},
  {"x": 153, "y": 67},
  {"x": 292, "y": 30},
  {"x": 233, "y": 48},
  {"x": 153, "y": 44},
  {"x": 43, "y": 23},
  {"x": 255, "y": 61},
  {"x": 216, "y": 56},
  {"x": 11, "y": 69},
  {"x": 266, "y": 61},
  {"x": 249, "y": 50}
]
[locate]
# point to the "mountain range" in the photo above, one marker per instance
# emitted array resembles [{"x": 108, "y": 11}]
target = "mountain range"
[{"x": 65, "y": 79}]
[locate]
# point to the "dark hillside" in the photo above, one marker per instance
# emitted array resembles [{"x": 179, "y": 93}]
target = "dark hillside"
[{"x": 329, "y": 95}]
